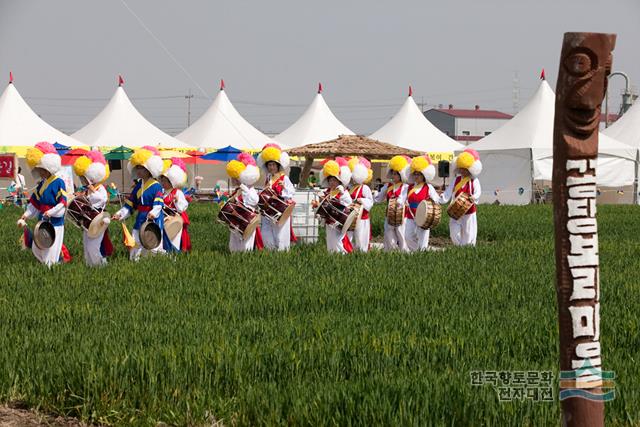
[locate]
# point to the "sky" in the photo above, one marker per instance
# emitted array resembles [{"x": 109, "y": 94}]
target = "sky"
[{"x": 66, "y": 55}]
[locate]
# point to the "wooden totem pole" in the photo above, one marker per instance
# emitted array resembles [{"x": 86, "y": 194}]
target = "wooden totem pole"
[{"x": 585, "y": 63}]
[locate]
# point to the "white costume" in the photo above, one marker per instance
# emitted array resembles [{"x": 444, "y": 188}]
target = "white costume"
[
  {"x": 335, "y": 236},
  {"x": 51, "y": 255},
  {"x": 244, "y": 170},
  {"x": 176, "y": 172},
  {"x": 92, "y": 246},
  {"x": 394, "y": 236},
  {"x": 464, "y": 231},
  {"x": 337, "y": 240},
  {"x": 418, "y": 238},
  {"x": 249, "y": 197},
  {"x": 278, "y": 236},
  {"x": 361, "y": 193}
]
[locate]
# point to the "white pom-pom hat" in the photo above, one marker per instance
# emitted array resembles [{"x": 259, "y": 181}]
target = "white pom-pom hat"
[
  {"x": 93, "y": 166},
  {"x": 424, "y": 165},
  {"x": 175, "y": 171},
  {"x": 360, "y": 169},
  {"x": 399, "y": 164},
  {"x": 273, "y": 153},
  {"x": 338, "y": 168},
  {"x": 44, "y": 156},
  {"x": 244, "y": 169},
  {"x": 469, "y": 159},
  {"x": 149, "y": 158}
]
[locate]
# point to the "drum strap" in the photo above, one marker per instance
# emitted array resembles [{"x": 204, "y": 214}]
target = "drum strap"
[{"x": 460, "y": 185}]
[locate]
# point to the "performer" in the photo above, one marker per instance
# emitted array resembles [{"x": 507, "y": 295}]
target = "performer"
[
  {"x": 48, "y": 202},
  {"x": 422, "y": 172},
  {"x": 146, "y": 197},
  {"x": 335, "y": 175},
  {"x": 360, "y": 192},
  {"x": 467, "y": 167},
  {"x": 274, "y": 162},
  {"x": 244, "y": 173},
  {"x": 398, "y": 172},
  {"x": 173, "y": 177},
  {"x": 93, "y": 171}
]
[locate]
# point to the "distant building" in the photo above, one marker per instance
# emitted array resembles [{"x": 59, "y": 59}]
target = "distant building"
[{"x": 466, "y": 126}]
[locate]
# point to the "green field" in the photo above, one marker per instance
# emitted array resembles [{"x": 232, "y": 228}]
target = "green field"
[{"x": 308, "y": 338}]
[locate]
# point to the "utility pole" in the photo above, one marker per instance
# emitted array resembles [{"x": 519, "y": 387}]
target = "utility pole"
[
  {"x": 516, "y": 92},
  {"x": 627, "y": 99},
  {"x": 188, "y": 98}
]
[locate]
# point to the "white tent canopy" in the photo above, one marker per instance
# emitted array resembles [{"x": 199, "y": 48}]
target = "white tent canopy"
[
  {"x": 317, "y": 124},
  {"x": 521, "y": 151},
  {"x": 409, "y": 128},
  {"x": 120, "y": 123},
  {"x": 20, "y": 126},
  {"x": 627, "y": 129},
  {"x": 220, "y": 126}
]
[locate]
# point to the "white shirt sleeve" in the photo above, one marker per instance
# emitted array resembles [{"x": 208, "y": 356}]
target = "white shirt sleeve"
[
  {"x": 288, "y": 190},
  {"x": 57, "y": 211},
  {"x": 382, "y": 194},
  {"x": 98, "y": 198},
  {"x": 155, "y": 211},
  {"x": 249, "y": 196},
  {"x": 180, "y": 202},
  {"x": 345, "y": 197},
  {"x": 402, "y": 198},
  {"x": 433, "y": 194},
  {"x": 476, "y": 190},
  {"x": 124, "y": 213},
  {"x": 31, "y": 211},
  {"x": 367, "y": 198},
  {"x": 446, "y": 195}
]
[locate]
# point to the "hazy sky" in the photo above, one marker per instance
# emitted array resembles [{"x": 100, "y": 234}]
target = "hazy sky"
[{"x": 66, "y": 55}]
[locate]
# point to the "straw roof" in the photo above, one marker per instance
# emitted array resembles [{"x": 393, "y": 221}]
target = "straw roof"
[{"x": 352, "y": 145}]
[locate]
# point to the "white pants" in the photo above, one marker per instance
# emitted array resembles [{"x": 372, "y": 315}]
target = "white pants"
[
  {"x": 92, "y": 255},
  {"x": 417, "y": 238},
  {"x": 463, "y": 231},
  {"x": 136, "y": 252},
  {"x": 394, "y": 237},
  {"x": 274, "y": 236},
  {"x": 360, "y": 237},
  {"x": 238, "y": 244},
  {"x": 334, "y": 240},
  {"x": 53, "y": 254}
]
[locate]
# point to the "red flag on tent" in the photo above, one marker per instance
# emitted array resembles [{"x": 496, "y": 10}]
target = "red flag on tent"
[
  {"x": 120, "y": 81},
  {"x": 542, "y": 75},
  {"x": 410, "y": 90},
  {"x": 10, "y": 77},
  {"x": 319, "y": 87},
  {"x": 221, "y": 84}
]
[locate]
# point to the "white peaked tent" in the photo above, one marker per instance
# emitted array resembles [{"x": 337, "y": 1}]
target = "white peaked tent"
[
  {"x": 521, "y": 151},
  {"x": 409, "y": 128},
  {"x": 317, "y": 124},
  {"x": 221, "y": 125},
  {"x": 20, "y": 126},
  {"x": 627, "y": 130},
  {"x": 120, "y": 123}
]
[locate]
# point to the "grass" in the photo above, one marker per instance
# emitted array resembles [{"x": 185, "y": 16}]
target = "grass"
[{"x": 308, "y": 338}]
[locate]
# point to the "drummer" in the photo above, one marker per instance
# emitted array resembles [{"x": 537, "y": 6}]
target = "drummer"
[
  {"x": 274, "y": 162},
  {"x": 172, "y": 179},
  {"x": 146, "y": 197},
  {"x": 244, "y": 174},
  {"x": 360, "y": 192},
  {"x": 398, "y": 173},
  {"x": 422, "y": 172},
  {"x": 335, "y": 175},
  {"x": 467, "y": 167},
  {"x": 93, "y": 170},
  {"x": 48, "y": 202}
]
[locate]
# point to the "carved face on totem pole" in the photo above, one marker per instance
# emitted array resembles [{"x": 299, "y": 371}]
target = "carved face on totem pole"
[{"x": 586, "y": 64}]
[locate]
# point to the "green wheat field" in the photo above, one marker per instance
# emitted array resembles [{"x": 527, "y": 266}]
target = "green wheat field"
[{"x": 308, "y": 338}]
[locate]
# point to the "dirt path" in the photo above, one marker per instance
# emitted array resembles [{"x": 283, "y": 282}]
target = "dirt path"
[{"x": 13, "y": 417}]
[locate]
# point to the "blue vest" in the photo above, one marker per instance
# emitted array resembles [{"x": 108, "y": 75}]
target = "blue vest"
[
  {"x": 144, "y": 197},
  {"x": 48, "y": 193}
]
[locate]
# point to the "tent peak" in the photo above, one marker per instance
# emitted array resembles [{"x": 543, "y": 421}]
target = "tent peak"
[
  {"x": 542, "y": 76},
  {"x": 120, "y": 80},
  {"x": 410, "y": 91},
  {"x": 10, "y": 77},
  {"x": 221, "y": 84},
  {"x": 319, "y": 87}
]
